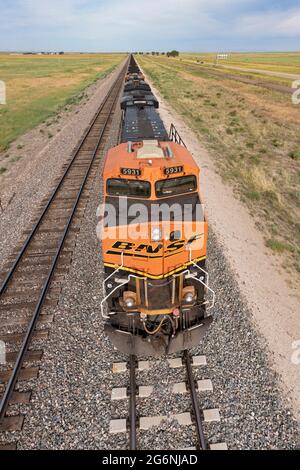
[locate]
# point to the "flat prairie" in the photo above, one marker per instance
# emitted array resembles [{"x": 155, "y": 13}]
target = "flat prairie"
[
  {"x": 284, "y": 62},
  {"x": 38, "y": 86},
  {"x": 252, "y": 134}
]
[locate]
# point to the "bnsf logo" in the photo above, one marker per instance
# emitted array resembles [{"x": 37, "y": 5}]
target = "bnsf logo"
[{"x": 149, "y": 249}]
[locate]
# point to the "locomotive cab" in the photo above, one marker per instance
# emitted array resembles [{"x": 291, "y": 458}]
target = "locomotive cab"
[{"x": 154, "y": 241}]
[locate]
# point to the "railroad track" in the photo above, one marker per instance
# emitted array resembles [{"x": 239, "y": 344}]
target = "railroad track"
[
  {"x": 195, "y": 416},
  {"x": 31, "y": 286},
  {"x": 213, "y": 72}
]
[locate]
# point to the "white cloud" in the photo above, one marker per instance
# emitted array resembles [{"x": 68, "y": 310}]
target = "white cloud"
[
  {"x": 127, "y": 24},
  {"x": 284, "y": 23},
  {"x": 116, "y": 19}
]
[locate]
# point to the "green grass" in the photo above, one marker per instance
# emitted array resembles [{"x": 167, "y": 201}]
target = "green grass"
[
  {"x": 279, "y": 247},
  {"x": 295, "y": 155},
  {"x": 287, "y": 62},
  {"x": 15, "y": 159},
  {"x": 275, "y": 63},
  {"x": 253, "y": 136},
  {"x": 38, "y": 87}
]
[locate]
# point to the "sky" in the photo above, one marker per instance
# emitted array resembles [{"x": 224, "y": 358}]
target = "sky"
[{"x": 142, "y": 25}]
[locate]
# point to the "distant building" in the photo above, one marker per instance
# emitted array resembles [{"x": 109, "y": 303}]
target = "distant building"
[{"x": 223, "y": 56}]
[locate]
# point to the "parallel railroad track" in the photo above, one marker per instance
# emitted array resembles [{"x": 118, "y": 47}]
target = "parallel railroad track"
[
  {"x": 30, "y": 284},
  {"x": 273, "y": 86}
]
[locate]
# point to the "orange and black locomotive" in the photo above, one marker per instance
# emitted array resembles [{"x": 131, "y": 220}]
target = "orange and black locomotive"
[{"x": 154, "y": 237}]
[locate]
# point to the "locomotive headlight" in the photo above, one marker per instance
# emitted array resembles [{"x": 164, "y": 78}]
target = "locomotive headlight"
[
  {"x": 188, "y": 298},
  {"x": 156, "y": 235},
  {"x": 188, "y": 295},
  {"x": 130, "y": 303},
  {"x": 129, "y": 299}
]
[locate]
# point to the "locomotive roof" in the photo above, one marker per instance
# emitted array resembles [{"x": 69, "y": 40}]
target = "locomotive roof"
[
  {"x": 151, "y": 154},
  {"x": 143, "y": 124}
]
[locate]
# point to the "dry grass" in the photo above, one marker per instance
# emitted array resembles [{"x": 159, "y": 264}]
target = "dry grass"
[
  {"x": 38, "y": 86},
  {"x": 240, "y": 71},
  {"x": 255, "y": 149},
  {"x": 273, "y": 61}
]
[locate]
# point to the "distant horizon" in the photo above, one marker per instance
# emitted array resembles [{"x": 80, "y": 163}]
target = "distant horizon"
[{"x": 148, "y": 51}]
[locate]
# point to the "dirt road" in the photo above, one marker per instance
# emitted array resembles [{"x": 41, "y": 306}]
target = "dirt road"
[
  {"x": 249, "y": 81},
  {"x": 271, "y": 73}
]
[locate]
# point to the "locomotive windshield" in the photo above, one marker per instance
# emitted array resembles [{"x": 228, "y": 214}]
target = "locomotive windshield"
[
  {"x": 175, "y": 186},
  {"x": 130, "y": 188}
]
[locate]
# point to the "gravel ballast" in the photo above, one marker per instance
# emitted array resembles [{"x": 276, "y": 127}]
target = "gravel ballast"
[
  {"x": 71, "y": 405},
  {"x": 72, "y": 408}
]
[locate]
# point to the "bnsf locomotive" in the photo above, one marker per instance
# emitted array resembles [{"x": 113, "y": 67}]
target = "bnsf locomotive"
[{"x": 154, "y": 239}]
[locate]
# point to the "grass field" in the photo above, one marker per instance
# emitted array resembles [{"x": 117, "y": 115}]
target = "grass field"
[
  {"x": 39, "y": 86},
  {"x": 251, "y": 66},
  {"x": 253, "y": 135},
  {"x": 288, "y": 62},
  {"x": 226, "y": 70}
]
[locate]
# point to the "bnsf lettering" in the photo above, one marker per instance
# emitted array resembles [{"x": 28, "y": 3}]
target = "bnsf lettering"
[
  {"x": 175, "y": 246},
  {"x": 149, "y": 249},
  {"x": 124, "y": 246}
]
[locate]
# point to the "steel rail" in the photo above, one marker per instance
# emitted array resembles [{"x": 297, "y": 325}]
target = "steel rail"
[
  {"x": 196, "y": 408},
  {"x": 26, "y": 341},
  {"x": 132, "y": 403}
]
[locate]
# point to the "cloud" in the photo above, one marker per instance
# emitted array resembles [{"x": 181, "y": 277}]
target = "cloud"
[
  {"x": 144, "y": 24},
  {"x": 284, "y": 23}
]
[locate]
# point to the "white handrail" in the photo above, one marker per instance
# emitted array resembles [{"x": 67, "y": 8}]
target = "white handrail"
[
  {"x": 205, "y": 284},
  {"x": 112, "y": 274},
  {"x": 106, "y": 317},
  {"x": 198, "y": 267},
  {"x": 207, "y": 287}
]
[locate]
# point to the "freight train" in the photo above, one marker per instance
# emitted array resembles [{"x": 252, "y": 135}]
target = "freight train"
[{"x": 156, "y": 297}]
